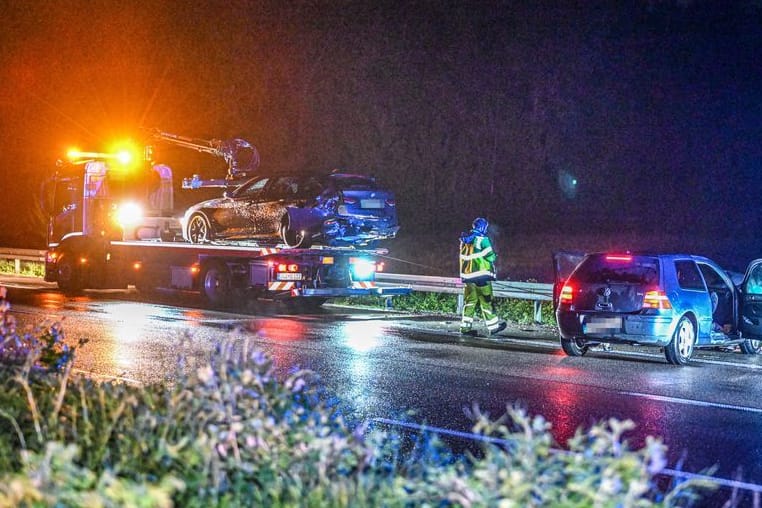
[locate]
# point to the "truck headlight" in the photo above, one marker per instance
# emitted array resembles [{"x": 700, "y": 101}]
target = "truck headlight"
[
  {"x": 128, "y": 214},
  {"x": 362, "y": 269}
]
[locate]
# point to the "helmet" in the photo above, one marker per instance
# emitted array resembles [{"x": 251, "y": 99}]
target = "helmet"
[{"x": 480, "y": 225}]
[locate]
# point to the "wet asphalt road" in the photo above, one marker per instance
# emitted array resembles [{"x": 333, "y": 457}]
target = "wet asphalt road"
[{"x": 418, "y": 368}]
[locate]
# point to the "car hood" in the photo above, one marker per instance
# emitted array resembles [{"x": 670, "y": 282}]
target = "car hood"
[{"x": 209, "y": 203}]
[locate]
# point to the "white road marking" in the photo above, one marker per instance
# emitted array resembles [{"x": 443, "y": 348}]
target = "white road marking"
[{"x": 689, "y": 402}]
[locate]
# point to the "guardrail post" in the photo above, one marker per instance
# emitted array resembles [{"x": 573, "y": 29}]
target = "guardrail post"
[
  {"x": 388, "y": 305},
  {"x": 17, "y": 265},
  {"x": 537, "y": 311},
  {"x": 460, "y": 303}
]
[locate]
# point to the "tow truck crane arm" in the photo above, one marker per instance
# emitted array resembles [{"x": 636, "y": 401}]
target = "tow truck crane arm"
[{"x": 241, "y": 156}]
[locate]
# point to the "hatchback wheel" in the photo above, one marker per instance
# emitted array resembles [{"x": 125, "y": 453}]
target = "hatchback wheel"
[
  {"x": 751, "y": 346},
  {"x": 573, "y": 347},
  {"x": 680, "y": 348}
]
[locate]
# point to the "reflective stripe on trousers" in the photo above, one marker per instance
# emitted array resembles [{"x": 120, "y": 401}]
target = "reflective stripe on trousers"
[{"x": 478, "y": 298}]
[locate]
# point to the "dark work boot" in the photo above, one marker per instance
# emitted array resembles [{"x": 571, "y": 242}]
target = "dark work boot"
[{"x": 499, "y": 328}]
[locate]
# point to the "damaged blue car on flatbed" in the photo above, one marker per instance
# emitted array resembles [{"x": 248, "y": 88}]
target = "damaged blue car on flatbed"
[{"x": 299, "y": 209}]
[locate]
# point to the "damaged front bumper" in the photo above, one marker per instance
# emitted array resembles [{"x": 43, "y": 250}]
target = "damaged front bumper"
[{"x": 355, "y": 230}]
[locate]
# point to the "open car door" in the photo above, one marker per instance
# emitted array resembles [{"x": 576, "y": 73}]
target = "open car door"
[
  {"x": 564, "y": 263},
  {"x": 751, "y": 300}
]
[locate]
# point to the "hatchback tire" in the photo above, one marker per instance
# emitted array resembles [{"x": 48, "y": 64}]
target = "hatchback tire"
[
  {"x": 680, "y": 348},
  {"x": 573, "y": 347},
  {"x": 751, "y": 346}
]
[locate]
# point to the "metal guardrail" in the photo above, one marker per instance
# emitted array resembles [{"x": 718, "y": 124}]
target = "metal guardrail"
[
  {"x": 536, "y": 291},
  {"x": 19, "y": 255}
]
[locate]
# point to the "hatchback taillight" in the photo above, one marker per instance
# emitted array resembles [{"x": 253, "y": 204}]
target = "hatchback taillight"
[
  {"x": 566, "y": 295},
  {"x": 656, "y": 299},
  {"x": 349, "y": 201},
  {"x": 391, "y": 202}
]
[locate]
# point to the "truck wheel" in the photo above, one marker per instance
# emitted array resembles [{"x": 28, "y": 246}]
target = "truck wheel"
[
  {"x": 680, "y": 348},
  {"x": 573, "y": 347},
  {"x": 215, "y": 284},
  {"x": 751, "y": 346},
  {"x": 69, "y": 274},
  {"x": 199, "y": 230},
  {"x": 293, "y": 238}
]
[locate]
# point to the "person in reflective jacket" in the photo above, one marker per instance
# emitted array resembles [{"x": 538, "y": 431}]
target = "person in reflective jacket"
[{"x": 477, "y": 271}]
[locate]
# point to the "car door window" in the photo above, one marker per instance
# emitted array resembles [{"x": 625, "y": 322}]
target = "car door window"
[
  {"x": 284, "y": 187},
  {"x": 253, "y": 189},
  {"x": 688, "y": 276},
  {"x": 714, "y": 280},
  {"x": 754, "y": 284},
  {"x": 721, "y": 296},
  {"x": 310, "y": 188}
]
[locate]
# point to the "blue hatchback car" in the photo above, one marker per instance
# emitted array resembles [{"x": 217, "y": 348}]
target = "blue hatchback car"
[{"x": 674, "y": 301}]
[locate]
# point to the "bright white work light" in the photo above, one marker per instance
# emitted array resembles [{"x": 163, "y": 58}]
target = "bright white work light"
[{"x": 129, "y": 214}]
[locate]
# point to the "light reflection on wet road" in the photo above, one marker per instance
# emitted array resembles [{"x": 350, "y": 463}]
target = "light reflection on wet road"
[{"x": 386, "y": 365}]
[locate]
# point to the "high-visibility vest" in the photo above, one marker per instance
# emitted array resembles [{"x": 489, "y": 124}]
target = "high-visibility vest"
[{"x": 477, "y": 260}]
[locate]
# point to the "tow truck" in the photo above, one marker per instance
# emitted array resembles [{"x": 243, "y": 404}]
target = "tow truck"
[{"x": 111, "y": 224}]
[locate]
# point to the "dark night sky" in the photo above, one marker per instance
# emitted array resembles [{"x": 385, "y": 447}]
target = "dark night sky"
[{"x": 464, "y": 108}]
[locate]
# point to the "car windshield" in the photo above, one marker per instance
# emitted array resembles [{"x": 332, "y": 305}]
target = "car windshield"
[{"x": 599, "y": 269}]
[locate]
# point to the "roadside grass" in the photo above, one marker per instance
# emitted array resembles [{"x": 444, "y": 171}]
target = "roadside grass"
[
  {"x": 511, "y": 309},
  {"x": 226, "y": 431},
  {"x": 28, "y": 268}
]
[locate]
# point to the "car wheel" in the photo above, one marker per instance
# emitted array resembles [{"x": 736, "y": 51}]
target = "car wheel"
[
  {"x": 199, "y": 230},
  {"x": 293, "y": 238},
  {"x": 680, "y": 348},
  {"x": 215, "y": 284},
  {"x": 751, "y": 346},
  {"x": 69, "y": 274},
  {"x": 573, "y": 347}
]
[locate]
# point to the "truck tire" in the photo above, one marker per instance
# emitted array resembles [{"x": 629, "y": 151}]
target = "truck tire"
[
  {"x": 69, "y": 274},
  {"x": 215, "y": 284}
]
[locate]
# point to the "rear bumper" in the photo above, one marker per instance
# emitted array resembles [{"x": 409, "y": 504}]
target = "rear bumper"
[{"x": 655, "y": 330}]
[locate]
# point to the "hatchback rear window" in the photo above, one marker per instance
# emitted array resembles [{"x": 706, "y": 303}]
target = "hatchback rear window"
[
  {"x": 354, "y": 183},
  {"x": 622, "y": 269}
]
